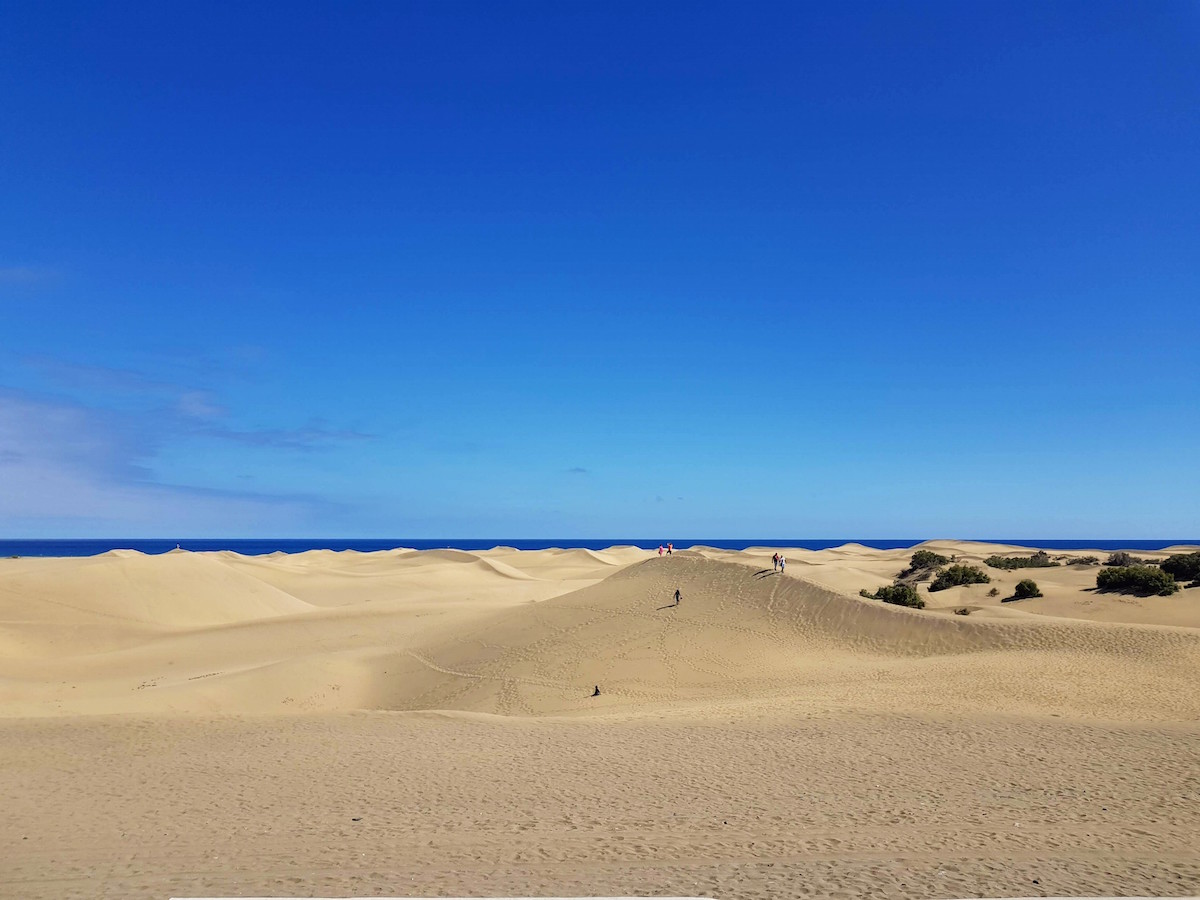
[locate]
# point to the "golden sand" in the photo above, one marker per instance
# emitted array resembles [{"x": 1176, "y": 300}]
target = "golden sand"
[{"x": 421, "y": 723}]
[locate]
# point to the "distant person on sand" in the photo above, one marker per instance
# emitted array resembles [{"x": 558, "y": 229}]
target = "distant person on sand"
[
  {"x": 596, "y": 692},
  {"x": 670, "y": 547},
  {"x": 775, "y": 562},
  {"x": 677, "y": 596},
  {"x": 660, "y": 550},
  {"x": 782, "y": 563}
]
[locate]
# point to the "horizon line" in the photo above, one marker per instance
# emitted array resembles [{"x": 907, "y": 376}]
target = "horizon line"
[{"x": 586, "y": 538}]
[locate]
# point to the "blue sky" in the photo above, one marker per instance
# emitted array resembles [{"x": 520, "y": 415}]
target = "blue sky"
[{"x": 600, "y": 269}]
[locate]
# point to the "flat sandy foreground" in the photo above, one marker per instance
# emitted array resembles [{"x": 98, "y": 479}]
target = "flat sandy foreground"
[{"x": 421, "y": 723}]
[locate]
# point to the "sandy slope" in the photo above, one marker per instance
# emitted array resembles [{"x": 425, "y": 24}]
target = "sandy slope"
[
  {"x": 517, "y": 633},
  {"x": 444, "y": 697}
]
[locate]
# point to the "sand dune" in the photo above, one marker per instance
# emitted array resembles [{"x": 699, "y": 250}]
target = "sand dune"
[
  {"x": 772, "y": 730},
  {"x": 513, "y": 633},
  {"x": 175, "y": 589}
]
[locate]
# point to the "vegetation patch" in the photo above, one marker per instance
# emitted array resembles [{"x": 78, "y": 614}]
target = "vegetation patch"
[
  {"x": 1140, "y": 580},
  {"x": 1085, "y": 561},
  {"x": 1026, "y": 588},
  {"x": 952, "y": 576},
  {"x": 1183, "y": 567},
  {"x": 1039, "y": 560},
  {"x": 962, "y": 612},
  {"x": 923, "y": 563},
  {"x": 898, "y": 594},
  {"x": 1121, "y": 558}
]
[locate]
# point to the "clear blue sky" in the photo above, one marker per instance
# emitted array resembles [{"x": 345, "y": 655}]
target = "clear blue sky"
[{"x": 600, "y": 269}]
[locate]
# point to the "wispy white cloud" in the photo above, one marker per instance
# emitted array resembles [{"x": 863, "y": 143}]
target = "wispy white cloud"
[
  {"x": 85, "y": 471},
  {"x": 24, "y": 274},
  {"x": 307, "y": 439},
  {"x": 201, "y": 405},
  {"x": 83, "y": 376},
  {"x": 179, "y": 409}
]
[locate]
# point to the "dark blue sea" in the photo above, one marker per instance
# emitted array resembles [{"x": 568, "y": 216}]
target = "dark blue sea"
[{"x": 93, "y": 546}]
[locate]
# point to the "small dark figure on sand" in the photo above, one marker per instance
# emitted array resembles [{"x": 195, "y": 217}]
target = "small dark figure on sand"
[
  {"x": 596, "y": 692},
  {"x": 677, "y": 596}
]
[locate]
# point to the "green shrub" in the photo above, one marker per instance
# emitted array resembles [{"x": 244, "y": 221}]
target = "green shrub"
[
  {"x": 993, "y": 592},
  {"x": 1026, "y": 588},
  {"x": 955, "y": 575},
  {"x": 1121, "y": 558},
  {"x": 927, "y": 559},
  {"x": 1140, "y": 580},
  {"x": 1182, "y": 566},
  {"x": 1039, "y": 560},
  {"x": 1085, "y": 561},
  {"x": 922, "y": 561},
  {"x": 899, "y": 594}
]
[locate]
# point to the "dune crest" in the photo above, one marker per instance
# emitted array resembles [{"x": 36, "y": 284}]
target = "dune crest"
[
  {"x": 531, "y": 633},
  {"x": 553, "y": 723}
]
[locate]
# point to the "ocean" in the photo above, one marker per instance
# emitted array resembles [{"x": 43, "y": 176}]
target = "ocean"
[{"x": 259, "y": 546}]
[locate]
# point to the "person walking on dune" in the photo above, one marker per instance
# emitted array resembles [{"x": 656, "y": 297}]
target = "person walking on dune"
[
  {"x": 670, "y": 547},
  {"x": 660, "y": 550},
  {"x": 677, "y": 596},
  {"x": 782, "y": 563},
  {"x": 775, "y": 562}
]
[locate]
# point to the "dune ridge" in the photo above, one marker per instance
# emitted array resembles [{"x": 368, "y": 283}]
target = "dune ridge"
[
  {"x": 528, "y": 633},
  {"x": 423, "y": 723}
]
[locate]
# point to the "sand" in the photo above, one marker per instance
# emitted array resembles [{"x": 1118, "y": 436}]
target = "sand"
[{"x": 420, "y": 723}]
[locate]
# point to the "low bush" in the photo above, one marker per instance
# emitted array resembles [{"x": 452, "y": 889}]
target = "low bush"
[
  {"x": 927, "y": 559},
  {"x": 1039, "y": 560},
  {"x": 962, "y": 612},
  {"x": 899, "y": 594},
  {"x": 956, "y": 575},
  {"x": 922, "y": 561},
  {"x": 1183, "y": 566},
  {"x": 1140, "y": 580},
  {"x": 1085, "y": 561},
  {"x": 1122, "y": 558},
  {"x": 993, "y": 592},
  {"x": 1026, "y": 588}
]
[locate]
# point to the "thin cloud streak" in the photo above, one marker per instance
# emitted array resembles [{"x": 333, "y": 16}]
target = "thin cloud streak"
[
  {"x": 24, "y": 274},
  {"x": 305, "y": 440},
  {"x": 183, "y": 409},
  {"x": 73, "y": 469}
]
